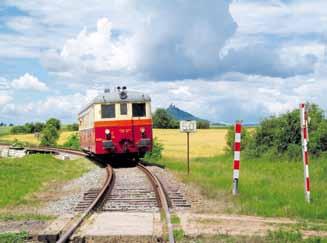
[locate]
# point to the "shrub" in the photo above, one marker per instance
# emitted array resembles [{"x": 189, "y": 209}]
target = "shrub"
[
  {"x": 72, "y": 127},
  {"x": 54, "y": 122},
  {"x": 18, "y": 129},
  {"x": 73, "y": 142},
  {"x": 49, "y": 135},
  {"x": 28, "y": 128},
  {"x": 282, "y": 135},
  {"x": 230, "y": 138},
  {"x": 156, "y": 152}
]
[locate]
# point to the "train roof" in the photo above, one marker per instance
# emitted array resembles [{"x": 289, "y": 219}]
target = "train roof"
[{"x": 117, "y": 97}]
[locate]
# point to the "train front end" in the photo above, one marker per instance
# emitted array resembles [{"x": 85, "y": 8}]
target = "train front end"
[{"x": 122, "y": 125}]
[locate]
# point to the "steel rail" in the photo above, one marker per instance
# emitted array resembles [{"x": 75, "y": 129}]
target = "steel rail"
[
  {"x": 108, "y": 185},
  {"x": 162, "y": 199}
]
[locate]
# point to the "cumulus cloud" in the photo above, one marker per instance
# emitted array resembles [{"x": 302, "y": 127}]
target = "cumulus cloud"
[
  {"x": 98, "y": 50},
  {"x": 30, "y": 82},
  {"x": 175, "y": 41}
]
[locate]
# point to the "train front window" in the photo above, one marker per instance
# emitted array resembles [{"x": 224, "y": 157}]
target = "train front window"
[
  {"x": 108, "y": 111},
  {"x": 123, "y": 109},
  {"x": 139, "y": 110}
]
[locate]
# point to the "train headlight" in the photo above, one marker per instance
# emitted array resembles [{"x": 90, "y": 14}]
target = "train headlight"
[
  {"x": 107, "y": 131},
  {"x": 142, "y": 132}
]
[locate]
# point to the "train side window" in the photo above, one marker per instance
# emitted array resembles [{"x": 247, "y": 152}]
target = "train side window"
[
  {"x": 138, "y": 109},
  {"x": 108, "y": 111},
  {"x": 123, "y": 109}
]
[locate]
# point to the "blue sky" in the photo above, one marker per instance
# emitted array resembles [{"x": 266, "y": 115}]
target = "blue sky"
[{"x": 220, "y": 60}]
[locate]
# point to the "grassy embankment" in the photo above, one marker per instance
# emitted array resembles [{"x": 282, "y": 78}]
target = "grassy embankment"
[
  {"x": 267, "y": 188},
  {"x": 20, "y": 178}
]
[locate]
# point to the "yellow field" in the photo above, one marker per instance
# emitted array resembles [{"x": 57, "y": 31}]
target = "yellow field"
[
  {"x": 31, "y": 138},
  {"x": 203, "y": 143}
]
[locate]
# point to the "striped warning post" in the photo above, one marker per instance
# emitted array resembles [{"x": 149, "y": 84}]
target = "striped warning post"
[
  {"x": 237, "y": 156},
  {"x": 305, "y": 139}
]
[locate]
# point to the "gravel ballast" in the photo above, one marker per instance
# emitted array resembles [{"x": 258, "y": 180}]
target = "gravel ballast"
[{"x": 73, "y": 192}]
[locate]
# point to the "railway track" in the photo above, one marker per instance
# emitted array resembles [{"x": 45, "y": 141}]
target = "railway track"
[
  {"x": 139, "y": 197},
  {"x": 117, "y": 194},
  {"x": 107, "y": 186}
]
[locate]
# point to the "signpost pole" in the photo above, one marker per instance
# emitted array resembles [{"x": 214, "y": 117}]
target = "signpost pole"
[
  {"x": 187, "y": 127},
  {"x": 188, "y": 153}
]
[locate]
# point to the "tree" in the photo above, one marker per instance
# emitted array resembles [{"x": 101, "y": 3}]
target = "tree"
[
  {"x": 49, "y": 135},
  {"x": 54, "y": 122},
  {"x": 38, "y": 126},
  {"x": 161, "y": 119},
  {"x": 203, "y": 124}
]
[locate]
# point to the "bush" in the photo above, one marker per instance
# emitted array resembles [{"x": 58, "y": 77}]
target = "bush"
[
  {"x": 27, "y": 128},
  {"x": 282, "y": 135},
  {"x": 49, "y": 135},
  {"x": 72, "y": 127},
  {"x": 18, "y": 129},
  {"x": 73, "y": 142},
  {"x": 54, "y": 122},
  {"x": 230, "y": 138},
  {"x": 156, "y": 152}
]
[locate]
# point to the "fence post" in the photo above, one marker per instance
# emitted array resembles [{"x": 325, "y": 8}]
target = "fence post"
[
  {"x": 305, "y": 153},
  {"x": 237, "y": 156}
]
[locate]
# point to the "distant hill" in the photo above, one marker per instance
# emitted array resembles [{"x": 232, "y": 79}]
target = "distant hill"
[{"x": 179, "y": 114}]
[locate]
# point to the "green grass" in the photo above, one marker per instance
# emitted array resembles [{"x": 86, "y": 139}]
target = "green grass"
[
  {"x": 13, "y": 237},
  {"x": 4, "y": 130},
  {"x": 24, "y": 176},
  {"x": 267, "y": 188},
  {"x": 175, "y": 219}
]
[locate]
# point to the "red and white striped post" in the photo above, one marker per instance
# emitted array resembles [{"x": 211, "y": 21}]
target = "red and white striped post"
[
  {"x": 305, "y": 153},
  {"x": 237, "y": 156}
]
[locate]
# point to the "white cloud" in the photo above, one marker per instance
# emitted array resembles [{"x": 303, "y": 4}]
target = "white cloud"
[
  {"x": 271, "y": 17},
  {"x": 99, "y": 51},
  {"x": 30, "y": 82},
  {"x": 4, "y": 99}
]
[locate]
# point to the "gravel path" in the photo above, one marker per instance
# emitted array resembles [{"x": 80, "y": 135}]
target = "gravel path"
[{"x": 73, "y": 191}]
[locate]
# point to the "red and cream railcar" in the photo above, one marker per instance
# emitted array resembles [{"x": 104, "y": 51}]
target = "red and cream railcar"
[{"x": 117, "y": 123}]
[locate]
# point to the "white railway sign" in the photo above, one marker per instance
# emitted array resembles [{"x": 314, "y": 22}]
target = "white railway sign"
[{"x": 187, "y": 126}]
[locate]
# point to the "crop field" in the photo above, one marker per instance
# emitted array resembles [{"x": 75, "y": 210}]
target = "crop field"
[
  {"x": 32, "y": 139},
  {"x": 203, "y": 143}
]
